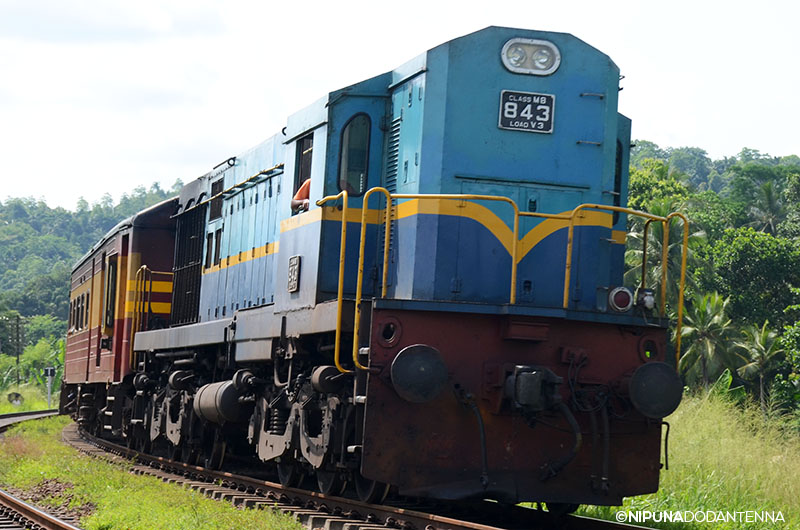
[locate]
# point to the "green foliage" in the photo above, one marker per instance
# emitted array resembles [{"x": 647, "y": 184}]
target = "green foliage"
[
  {"x": 712, "y": 214},
  {"x": 757, "y": 271},
  {"x": 644, "y": 149},
  {"x": 40, "y": 244},
  {"x": 790, "y": 227},
  {"x": 706, "y": 328},
  {"x": 723, "y": 387},
  {"x": 44, "y": 327},
  {"x": 760, "y": 353},
  {"x": 691, "y": 161},
  {"x": 654, "y": 181}
]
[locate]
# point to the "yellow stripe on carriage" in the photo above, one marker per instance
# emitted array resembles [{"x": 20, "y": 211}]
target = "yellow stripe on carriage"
[
  {"x": 155, "y": 307},
  {"x": 157, "y": 286}
]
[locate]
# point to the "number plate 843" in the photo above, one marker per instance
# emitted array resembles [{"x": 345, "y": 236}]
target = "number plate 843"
[{"x": 526, "y": 111}]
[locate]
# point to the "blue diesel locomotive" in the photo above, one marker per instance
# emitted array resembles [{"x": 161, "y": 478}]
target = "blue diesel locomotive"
[{"x": 444, "y": 315}]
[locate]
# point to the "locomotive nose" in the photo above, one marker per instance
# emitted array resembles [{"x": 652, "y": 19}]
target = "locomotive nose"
[{"x": 655, "y": 389}]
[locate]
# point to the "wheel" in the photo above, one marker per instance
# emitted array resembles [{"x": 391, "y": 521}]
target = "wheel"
[
  {"x": 330, "y": 482},
  {"x": 142, "y": 443},
  {"x": 215, "y": 455},
  {"x": 189, "y": 455},
  {"x": 370, "y": 491},
  {"x": 290, "y": 474}
]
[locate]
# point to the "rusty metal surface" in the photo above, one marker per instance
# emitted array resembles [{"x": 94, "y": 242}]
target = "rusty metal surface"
[{"x": 434, "y": 448}]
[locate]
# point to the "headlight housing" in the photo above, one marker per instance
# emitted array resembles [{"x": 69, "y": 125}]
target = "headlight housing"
[{"x": 530, "y": 56}]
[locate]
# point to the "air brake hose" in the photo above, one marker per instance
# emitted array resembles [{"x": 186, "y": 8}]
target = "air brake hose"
[{"x": 551, "y": 470}]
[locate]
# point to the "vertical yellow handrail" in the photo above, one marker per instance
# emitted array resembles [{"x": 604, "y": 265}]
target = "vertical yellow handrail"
[
  {"x": 643, "y": 283},
  {"x": 572, "y": 217},
  {"x": 682, "y": 284},
  {"x": 340, "y": 293},
  {"x": 138, "y": 299},
  {"x": 360, "y": 279},
  {"x": 664, "y": 266}
]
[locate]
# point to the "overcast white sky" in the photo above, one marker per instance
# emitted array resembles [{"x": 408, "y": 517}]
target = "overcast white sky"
[{"x": 101, "y": 96}]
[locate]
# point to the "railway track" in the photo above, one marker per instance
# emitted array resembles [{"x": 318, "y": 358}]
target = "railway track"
[
  {"x": 16, "y": 513},
  {"x": 7, "y": 420},
  {"x": 317, "y": 511}
]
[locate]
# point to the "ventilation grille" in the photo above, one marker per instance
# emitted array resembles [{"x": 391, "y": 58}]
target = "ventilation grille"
[
  {"x": 393, "y": 155},
  {"x": 188, "y": 266}
]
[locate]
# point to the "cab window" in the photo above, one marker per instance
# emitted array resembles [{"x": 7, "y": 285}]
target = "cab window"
[{"x": 354, "y": 155}]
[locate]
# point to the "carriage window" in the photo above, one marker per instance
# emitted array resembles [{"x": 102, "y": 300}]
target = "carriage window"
[
  {"x": 80, "y": 313},
  {"x": 111, "y": 292},
  {"x": 354, "y": 155},
  {"x": 88, "y": 305}
]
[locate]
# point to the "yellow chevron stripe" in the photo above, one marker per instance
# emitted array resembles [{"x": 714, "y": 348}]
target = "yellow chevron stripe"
[
  {"x": 549, "y": 226},
  {"x": 469, "y": 209}
]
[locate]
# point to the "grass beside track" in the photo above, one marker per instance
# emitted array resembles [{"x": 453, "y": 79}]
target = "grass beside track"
[
  {"x": 32, "y": 400},
  {"x": 723, "y": 458},
  {"x": 32, "y": 454}
]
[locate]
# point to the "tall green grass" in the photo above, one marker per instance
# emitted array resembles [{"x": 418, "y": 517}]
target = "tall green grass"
[
  {"x": 32, "y": 453},
  {"x": 723, "y": 457},
  {"x": 34, "y": 398}
]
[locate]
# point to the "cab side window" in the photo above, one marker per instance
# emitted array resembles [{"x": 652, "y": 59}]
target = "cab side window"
[
  {"x": 305, "y": 146},
  {"x": 354, "y": 155}
]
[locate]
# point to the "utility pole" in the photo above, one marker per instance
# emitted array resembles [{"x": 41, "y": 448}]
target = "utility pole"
[{"x": 19, "y": 347}]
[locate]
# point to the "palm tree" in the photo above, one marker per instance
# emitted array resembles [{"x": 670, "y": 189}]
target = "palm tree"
[
  {"x": 768, "y": 211},
  {"x": 706, "y": 328},
  {"x": 761, "y": 352},
  {"x": 655, "y": 239}
]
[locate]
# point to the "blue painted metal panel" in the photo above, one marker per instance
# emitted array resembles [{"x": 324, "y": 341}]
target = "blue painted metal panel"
[{"x": 447, "y": 102}]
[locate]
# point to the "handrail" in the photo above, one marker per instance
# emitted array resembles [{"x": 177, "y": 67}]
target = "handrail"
[
  {"x": 682, "y": 284},
  {"x": 572, "y": 216},
  {"x": 138, "y": 299},
  {"x": 569, "y": 217},
  {"x": 143, "y": 275},
  {"x": 340, "y": 294}
]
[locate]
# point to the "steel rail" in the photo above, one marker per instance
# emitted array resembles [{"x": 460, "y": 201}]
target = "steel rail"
[
  {"x": 35, "y": 517},
  {"x": 7, "y": 420}
]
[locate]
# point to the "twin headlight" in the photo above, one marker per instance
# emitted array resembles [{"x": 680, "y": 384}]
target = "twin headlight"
[{"x": 531, "y": 56}]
